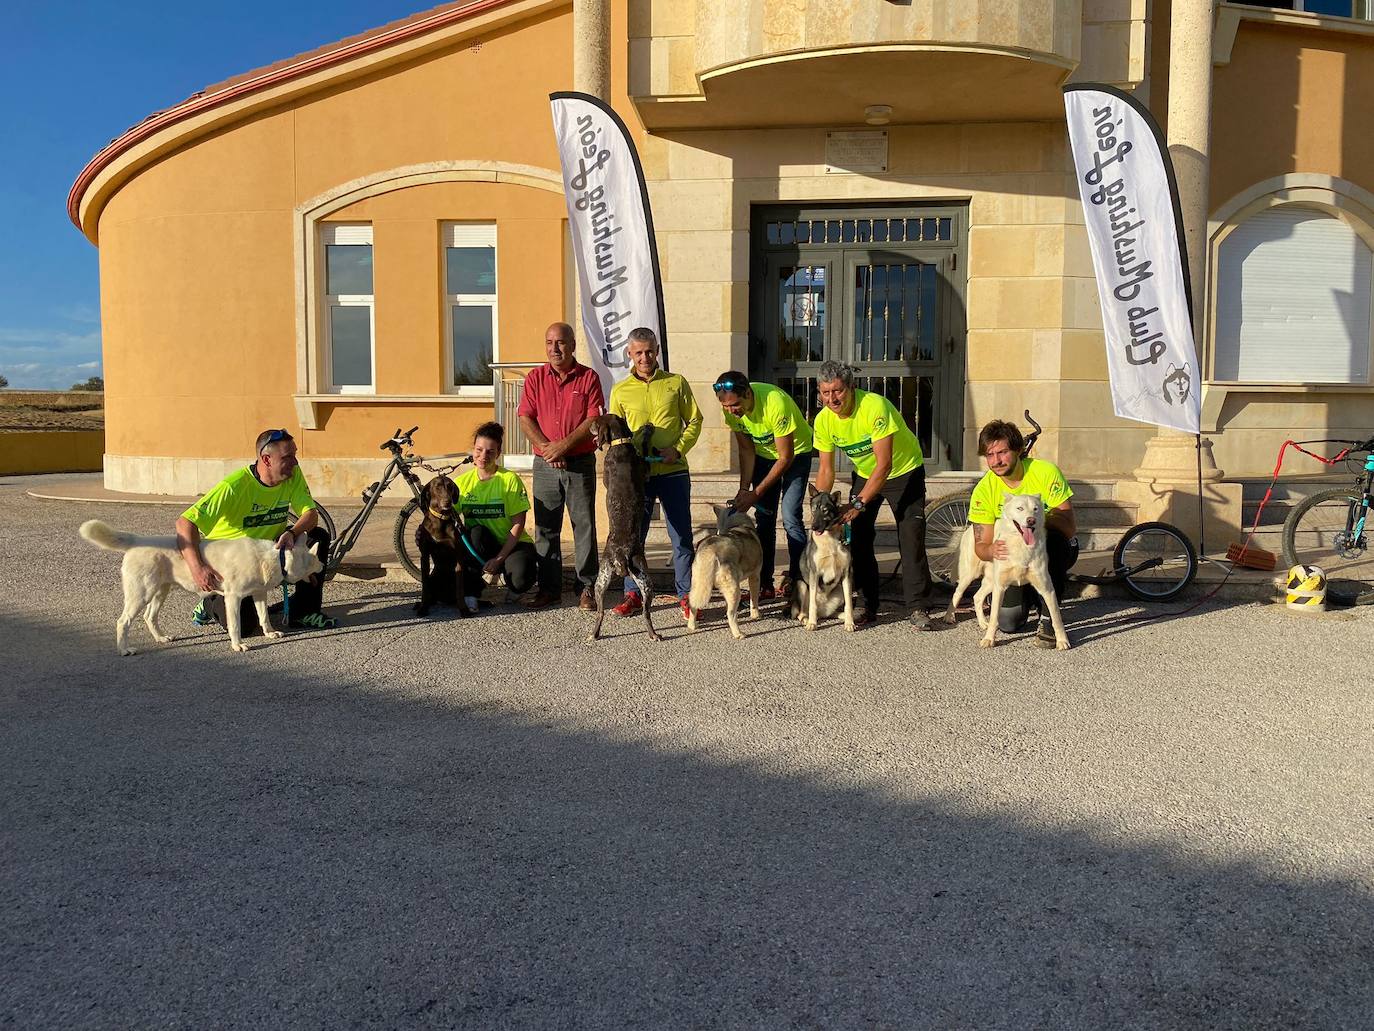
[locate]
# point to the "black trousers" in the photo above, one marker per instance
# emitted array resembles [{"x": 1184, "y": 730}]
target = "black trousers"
[
  {"x": 306, "y": 597},
  {"x": 907, "y": 496},
  {"x": 520, "y": 569},
  {"x": 1017, "y": 602}
]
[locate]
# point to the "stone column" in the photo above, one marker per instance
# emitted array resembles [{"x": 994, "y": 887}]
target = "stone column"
[
  {"x": 591, "y": 75},
  {"x": 1165, "y": 485},
  {"x": 592, "y": 47}
]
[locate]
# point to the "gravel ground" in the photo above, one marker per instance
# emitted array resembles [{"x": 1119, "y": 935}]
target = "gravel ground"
[{"x": 493, "y": 823}]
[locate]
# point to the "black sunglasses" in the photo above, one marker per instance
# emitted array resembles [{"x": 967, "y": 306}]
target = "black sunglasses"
[{"x": 273, "y": 437}]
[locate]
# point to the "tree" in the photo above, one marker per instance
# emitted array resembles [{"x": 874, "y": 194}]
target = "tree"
[
  {"x": 3, "y": 382},
  {"x": 94, "y": 383}
]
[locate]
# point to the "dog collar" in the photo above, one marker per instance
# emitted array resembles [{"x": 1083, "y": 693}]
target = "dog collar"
[
  {"x": 621, "y": 440},
  {"x": 437, "y": 514}
]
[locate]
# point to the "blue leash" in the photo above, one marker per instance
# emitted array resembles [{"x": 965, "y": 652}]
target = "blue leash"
[{"x": 285, "y": 596}]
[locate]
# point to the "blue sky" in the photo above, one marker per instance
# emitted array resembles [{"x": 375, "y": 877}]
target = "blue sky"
[{"x": 76, "y": 75}]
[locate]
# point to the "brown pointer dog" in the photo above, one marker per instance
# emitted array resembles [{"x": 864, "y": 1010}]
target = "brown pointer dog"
[
  {"x": 438, "y": 538},
  {"x": 625, "y": 469}
]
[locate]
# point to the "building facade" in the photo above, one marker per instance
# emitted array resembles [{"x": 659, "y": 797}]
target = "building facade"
[{"x": 374, "y": 235}]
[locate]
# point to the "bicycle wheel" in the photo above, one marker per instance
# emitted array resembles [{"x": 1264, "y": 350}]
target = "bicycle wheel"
[
  {"x": 1167, "y": 577},
  {"x": 1315, "y": 534},
  {"x": 326, "y": 521},
  {"x": 945, "y": 522},
  {"x": 404, "y": 538}
]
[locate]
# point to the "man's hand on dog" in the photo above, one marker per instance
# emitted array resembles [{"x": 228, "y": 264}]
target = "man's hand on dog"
[
  {"x": 744, "y": 500},
  {"x": 206, "y": 577},
  {"x": 494, "y": 566},
  {"x": 999, "y": 551},
  {"x": 286, "y": 541},
  {"x": 847, "y": 515}
]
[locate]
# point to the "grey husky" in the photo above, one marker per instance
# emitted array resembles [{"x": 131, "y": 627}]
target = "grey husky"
[
  {"x": 827, "y": 581},
  {"x": 728, "y": 559}
]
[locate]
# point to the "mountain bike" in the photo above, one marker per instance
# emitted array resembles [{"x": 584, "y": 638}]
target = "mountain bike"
[
  {"x": 1329, "y": 529},
  {"x": 403, "y": 534},
  {"x": 1155, "y": 561}
]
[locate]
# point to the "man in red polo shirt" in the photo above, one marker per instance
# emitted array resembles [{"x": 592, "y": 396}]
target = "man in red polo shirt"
[{"x": 556, "y": 410}]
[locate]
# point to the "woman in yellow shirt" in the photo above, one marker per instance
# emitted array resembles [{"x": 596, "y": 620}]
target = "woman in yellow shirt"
[{"x": 493, "y": 504}]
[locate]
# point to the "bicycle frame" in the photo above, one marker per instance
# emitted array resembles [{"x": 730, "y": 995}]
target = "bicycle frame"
[
  {"x": 1354, "y": 525},
  {"x": 397, "y": 468}
]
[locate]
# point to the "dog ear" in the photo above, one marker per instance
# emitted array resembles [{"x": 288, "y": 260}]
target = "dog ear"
[
  {"x": 424, "y": 497},
  {"x": 835, "y": 496},
  {"x": 811, "y": 491},
  {"x": 645, "y": 435}
]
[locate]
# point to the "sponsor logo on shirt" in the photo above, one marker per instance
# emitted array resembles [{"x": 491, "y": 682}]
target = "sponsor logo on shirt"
[
  {"x": 485, "y": 509},
  {"x": 859, "y": 448},
  {"x": 762, "y": 438},
  {"x": 268, "y": 517}
]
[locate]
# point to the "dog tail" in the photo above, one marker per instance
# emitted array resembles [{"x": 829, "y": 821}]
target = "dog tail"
[
  {"x": 703, "y": 579},
  {"x": 103, "y": 536}
]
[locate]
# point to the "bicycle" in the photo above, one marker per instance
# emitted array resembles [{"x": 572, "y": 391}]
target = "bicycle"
[
  {"x": 403, "y": 537},
  {"x": 1327, "y": 530},
  {"x": 1155, "y": 561}
]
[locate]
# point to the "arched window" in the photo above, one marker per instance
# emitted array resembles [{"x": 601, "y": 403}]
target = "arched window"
[{"x": 1294, "y": 287}]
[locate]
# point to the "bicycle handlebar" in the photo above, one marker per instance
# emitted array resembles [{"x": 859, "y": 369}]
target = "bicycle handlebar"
[{"x": 1035, "y": 434}]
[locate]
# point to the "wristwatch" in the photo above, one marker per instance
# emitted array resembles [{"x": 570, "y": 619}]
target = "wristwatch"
[{"x": 856, "y": 503}]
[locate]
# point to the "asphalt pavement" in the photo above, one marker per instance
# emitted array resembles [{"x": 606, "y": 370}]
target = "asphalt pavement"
[{"x": 492, "y": 822}]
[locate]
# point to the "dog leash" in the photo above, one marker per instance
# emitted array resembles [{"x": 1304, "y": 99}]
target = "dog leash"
[{"x": 285, "y": 596}]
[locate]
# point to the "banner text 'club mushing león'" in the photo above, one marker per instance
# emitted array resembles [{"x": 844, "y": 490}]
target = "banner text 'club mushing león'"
[
  {"x": 612, "y": 232},
  {"x": 1130, "y": 205}
]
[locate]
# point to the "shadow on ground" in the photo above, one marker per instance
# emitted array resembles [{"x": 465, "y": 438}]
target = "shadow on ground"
[{"x": 251, "y": 847}]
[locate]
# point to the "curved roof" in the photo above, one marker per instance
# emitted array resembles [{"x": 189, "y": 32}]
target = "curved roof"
[{"x": 270, "y": 76}]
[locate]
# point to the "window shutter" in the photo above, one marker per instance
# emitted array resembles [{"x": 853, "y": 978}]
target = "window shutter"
[
  {"x": 467, "y": 234},
  {"x": 343, "y": 235},
  {"x": 1294, "y": 289}
]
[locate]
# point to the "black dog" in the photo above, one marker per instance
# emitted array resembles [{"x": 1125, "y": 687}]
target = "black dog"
[
  {"x": 625, "y": 470},
  {"x": 438, "y": 538}
]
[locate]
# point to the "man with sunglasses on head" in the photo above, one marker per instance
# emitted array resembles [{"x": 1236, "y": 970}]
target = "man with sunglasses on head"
[
  {"x": 775, "y": 457},
  {"x": 888, "y": 467},
  {"x": 255, "y": 501}
]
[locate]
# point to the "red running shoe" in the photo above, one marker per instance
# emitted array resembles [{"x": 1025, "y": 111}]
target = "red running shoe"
[{"x": 631, "y": 606}]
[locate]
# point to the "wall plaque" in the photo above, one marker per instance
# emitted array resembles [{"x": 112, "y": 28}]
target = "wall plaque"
[{"x": 856, "y": 151}]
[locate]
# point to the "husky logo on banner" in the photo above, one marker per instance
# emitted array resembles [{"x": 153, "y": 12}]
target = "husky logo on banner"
[
  {"x": 612, "y": 232},
  {"x": 1130, "y": 205}
]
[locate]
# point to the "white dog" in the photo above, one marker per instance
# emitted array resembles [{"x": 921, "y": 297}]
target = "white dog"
[
  {"x": 1022, "y": 526},
  {"x": 248, "y": 568}
]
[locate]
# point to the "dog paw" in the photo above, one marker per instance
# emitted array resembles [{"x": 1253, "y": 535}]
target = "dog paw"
[
  {"x": 272, "y": 635},
  {"x": 812, "y": 626},
  {"x": 754, "y": 612},
  {"x": 950, "y": 618},
  {"x": 242, "y": 646},
  {"x": 1062, "y": 645},
  {"x": 162, "y": 639},
  {"x": 850, "y": 626},
  {"x": 129, "y": 651},
  {"x": 737, "y": 635},
  {"x": 986, "y": 642}
]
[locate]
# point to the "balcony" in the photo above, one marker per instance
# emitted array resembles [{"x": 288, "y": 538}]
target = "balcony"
[{"x": 743, "y": 63}]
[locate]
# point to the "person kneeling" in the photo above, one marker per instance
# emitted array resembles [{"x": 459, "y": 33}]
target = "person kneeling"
[
  {"x": 494, "y": 504},
  {"x": 1010, "y": 472}
]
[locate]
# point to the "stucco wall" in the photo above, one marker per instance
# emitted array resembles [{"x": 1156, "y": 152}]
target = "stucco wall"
[{"x": 199, "y": 265}]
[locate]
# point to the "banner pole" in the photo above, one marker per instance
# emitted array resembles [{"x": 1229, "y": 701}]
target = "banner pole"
[{"x": 1201, "y": 508}]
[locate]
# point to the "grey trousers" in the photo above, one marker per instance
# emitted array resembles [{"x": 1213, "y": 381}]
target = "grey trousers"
[{"x": 573, "y": 489}]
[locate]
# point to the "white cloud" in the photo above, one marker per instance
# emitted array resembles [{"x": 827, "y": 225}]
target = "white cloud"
[{"x": 48, "y": 359}]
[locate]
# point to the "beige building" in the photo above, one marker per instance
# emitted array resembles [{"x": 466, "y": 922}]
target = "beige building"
[{"x": 374, "y": 234}]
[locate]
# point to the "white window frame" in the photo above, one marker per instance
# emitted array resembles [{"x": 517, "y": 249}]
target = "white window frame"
[
  {"x": 1361, "y": 10},
  {"x": 347, "y": 234},
  {"x": 1270, "y": 203},
  {"x": 468, "y": 234}
]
